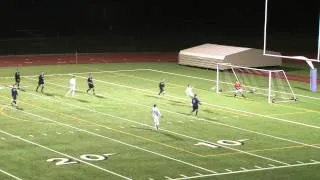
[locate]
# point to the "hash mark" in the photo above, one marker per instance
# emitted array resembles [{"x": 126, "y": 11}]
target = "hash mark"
[
  {"x": 271, "y": 165},
  {"x": 299, "y": 162},
  {"x": 228, "y": 170},
  {"x": 243, "y": 168},
  {"x": 258, "y": 167},
  {"x": 199, "y": 174}
]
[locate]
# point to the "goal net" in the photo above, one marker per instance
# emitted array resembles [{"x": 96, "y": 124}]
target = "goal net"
[{"x": 259, "y": 83}]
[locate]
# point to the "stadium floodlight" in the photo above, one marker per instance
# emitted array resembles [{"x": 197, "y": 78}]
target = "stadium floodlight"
[{"x": 259, "y": 82}]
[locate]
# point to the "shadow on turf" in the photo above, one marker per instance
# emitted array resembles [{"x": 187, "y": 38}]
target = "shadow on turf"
[
  {"x": 206, "y": 118},
  {"x": 81, "y": 100},
  {"x": 99, "y": 96},
  {"x": 302, "y": 88},
  {"x": 19, "y": 108},
  {"x": 152, "y": 96},
  {"x": 161, "y": 132}
]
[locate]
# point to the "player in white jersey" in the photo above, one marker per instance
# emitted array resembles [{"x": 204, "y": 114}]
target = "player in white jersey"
[
  {"x": 156, "y": 116},
  {"x": 189, "y": 91},
  {"x": 72, "y": 86}
]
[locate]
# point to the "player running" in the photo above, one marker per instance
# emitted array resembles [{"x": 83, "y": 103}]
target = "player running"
[
  {"x": 14, "y": 94},
  {"x": 41, "y": 82},
  {"x": 90, "y": 84},
  {"x": 195, "y": 104},
  {"x": 17, "y": 79},
  {"x": 156, "y": 116},
  {"x": 238, "y": 89},
  {"x": 189, "y": 91},
  {"x": 161, "y": 87},
  {"x": 72, "y": 86}
]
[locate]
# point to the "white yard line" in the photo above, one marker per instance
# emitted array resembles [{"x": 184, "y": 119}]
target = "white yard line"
[
  {"x": 283, "y": 114},
  {"x": 8, "y": 174},
  {"x": 183, "y": 135},
  {"x": 248, "y": 170},
  {"x": 222, "y": 107},
  {"x": 114, "y": 140},
  {"x": 213, "y": 122},
  {"x": 63, "y": 154}
]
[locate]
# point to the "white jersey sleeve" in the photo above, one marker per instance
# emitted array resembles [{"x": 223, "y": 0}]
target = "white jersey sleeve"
[{"x": 156, "y": 112}]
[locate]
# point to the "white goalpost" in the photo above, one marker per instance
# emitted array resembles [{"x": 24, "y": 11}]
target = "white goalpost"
[
  {"x": 273, "y": 84},
  {"x": 282, "y": 56}
]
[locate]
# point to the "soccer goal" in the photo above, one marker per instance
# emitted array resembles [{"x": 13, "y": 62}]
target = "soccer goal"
[{"x": 262, "y": 83}]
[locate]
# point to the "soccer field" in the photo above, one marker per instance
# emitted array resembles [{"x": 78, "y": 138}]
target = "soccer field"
[{"x": 110, "y": 135}]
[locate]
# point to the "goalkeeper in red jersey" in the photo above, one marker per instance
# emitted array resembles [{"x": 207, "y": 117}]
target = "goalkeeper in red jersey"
[{"x": 238, "y": 89}]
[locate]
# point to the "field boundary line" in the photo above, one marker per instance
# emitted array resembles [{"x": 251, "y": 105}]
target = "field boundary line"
[
  {"x": 114, "y": 140},
  {"x": 64, "y": 74},
  {"x": 248, "y": 170},
  {"x": 11, "y": 175},
  {"x": 63, "y": 154},
  {"x": 183, "y": 135}
]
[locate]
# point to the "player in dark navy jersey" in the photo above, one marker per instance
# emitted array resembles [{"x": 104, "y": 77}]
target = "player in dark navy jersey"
[
  {"x": 41, "y": 82},
  {"x": 90, "y": 84},
  {"x": 17, "y": 79},
  {"x": 195, "y": 104},
  {"x": 14, "y": 94},
  {"x": 161, "y": 87}
]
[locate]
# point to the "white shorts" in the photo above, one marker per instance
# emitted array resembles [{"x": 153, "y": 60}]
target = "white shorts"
[
  {"x": 239, "y": 90},
  {"x": 156, "y": 120}
]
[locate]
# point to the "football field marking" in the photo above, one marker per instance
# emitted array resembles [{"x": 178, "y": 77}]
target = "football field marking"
[
  {"x": 202, "y": 119},
  {"x": 90, "y": 123},
  {"x": 69, "y": 74},
  {"x": 11, "y": 175},
  {"x": 222, "y": 107},
  {"x": 63, "y": 154},
  {"x": 172, "y": 132},
  {"x": 283, "y": 114},
  {"x": 284, "y": 139},
  {"x": 213, "y": 122},
  {"x": 111, "y": 139},
  {"x": 93, "y": 124},
  {"x": 244, "y": 170}
]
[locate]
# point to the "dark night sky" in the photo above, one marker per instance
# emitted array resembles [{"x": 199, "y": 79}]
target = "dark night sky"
[
  {"x": 232, "y": 18},
  {"x": 71, "y": 16}
]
